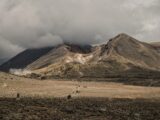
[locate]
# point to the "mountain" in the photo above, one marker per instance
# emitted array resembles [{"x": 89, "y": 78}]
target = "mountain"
[
  {"x": 2, "y": 60},
  {"x": 59, "y": 54},
  {"x": 24, "y": 58},
  {"x": 156, "y": 44},
  {"x": 129, "y": 50},
  {"x": 122, "y": 56}
]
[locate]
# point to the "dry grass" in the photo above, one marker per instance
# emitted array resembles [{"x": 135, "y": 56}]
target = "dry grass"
[{"x": 11, "y": 85}]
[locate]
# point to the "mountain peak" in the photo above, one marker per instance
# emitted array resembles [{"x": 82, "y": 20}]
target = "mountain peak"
[
  {"x": 123, "y": 38},
  {"x": 123, "y": 34},
  {"x": 123, "y": 44}
]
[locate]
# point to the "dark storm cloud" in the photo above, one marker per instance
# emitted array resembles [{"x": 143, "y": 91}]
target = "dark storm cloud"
[{"x": 37, "y": 23}]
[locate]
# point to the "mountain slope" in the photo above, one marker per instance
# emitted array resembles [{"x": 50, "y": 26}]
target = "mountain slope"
[
  {"x": 25, "y": 58},
  {"x": 127, "y": 49},
  {"x": 2, "y": 60},
  {"x": 156, "y": 45},
  {"x": 59, "y": 54},
  {"x": 122, "y": 56}
]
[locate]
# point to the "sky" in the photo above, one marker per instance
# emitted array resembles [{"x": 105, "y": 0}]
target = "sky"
[{"x": 39, "y": 23}]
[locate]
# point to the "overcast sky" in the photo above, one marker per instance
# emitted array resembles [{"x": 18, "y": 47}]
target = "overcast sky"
[{"x": 37, "y": 23}]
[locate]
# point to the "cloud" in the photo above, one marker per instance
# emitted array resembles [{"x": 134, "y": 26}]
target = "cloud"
[
  {"x": 47, "y": 40},
  {"x": 37, "y": 23},
  {"x": 8, "y": 49}
]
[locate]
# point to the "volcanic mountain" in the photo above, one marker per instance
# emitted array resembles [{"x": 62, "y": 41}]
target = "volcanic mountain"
[
  {"x": 2, "y": 60},
  {"x": 122, "y": 56},
  {"x": 156, "y": 44},
  {"x": 25, "y": 58}
]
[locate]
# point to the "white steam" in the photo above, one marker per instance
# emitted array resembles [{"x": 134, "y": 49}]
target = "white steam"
[
  {"x": 79, "y": 58},
  {"x": 20, "y": 72}
]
